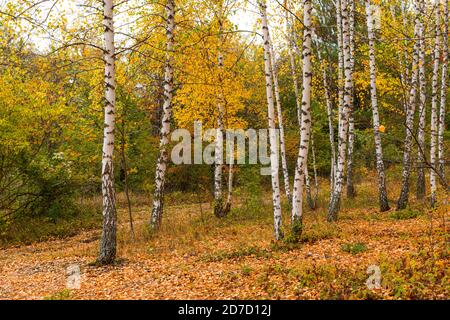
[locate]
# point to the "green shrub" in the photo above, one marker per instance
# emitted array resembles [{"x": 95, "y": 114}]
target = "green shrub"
[
  {"x": 246, "y": 270},
  {"x": 405, "y": 214},
  {"x": 354, "y": 248},
  {"x": 240, "y": 253},
  {"x": 65, "y": 219},
  {"x": 61, "y": 295}
]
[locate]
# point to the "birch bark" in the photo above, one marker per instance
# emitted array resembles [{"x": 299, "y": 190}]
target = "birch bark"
[
  {"x": 434, "y": 107},
  {"x": 444, "y": 75},
  {"x": 290, "y": 35},
  {"x": 329, "y": 104},
  {"x": 344, "y": 117},
  {"x": 218, "y": 170},
  {"x": 351, "y": 193},
  {"x": 409, "y": 122},
  {"x": 280, "y": 124},
  {"x": 161, "y": 166},
  {"x": 272, "y": 128},
  {"x": 420, "y": 192},
  {"x": 310, "y": 198},
  {"x": 221, "y": 210},
  {"x": 108, "y": 240},
  {"x": 305, "y": 129},
  {"x": 340, "y": 47},
  {"x": 383, "y": 199}
]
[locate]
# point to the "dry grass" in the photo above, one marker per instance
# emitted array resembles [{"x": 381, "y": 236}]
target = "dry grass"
[{"x": 196, "y": 256}]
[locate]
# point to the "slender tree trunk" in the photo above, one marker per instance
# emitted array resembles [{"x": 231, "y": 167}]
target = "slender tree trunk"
[
  {"x": 329, "y": 104},
  {"x": 340, "y": 47},
  {"x": 280, "y": 125},
  {"x": 161, "y": 166},
  {"x": 407, "y": 74},
  {"x": 218, "y": 171},
  {"x": 434, "y": 108},
  {"x": 344, "y": 118},
  {"x": 230, "y": 184},
  {"x": 351, "y": 193},
  {"x": 108, "y": 240},
  {"x": 292, "y": 43},
  {"x": 310, "y": 198},
  {"x": 220, "y": 209},
  {"x": 230, "y": 146},
  {"x": 406, "y": 172},
  {"x": 305, "y": 129},
  {"x": 125, "y": 174},
  {"x": 383, "y": 199},
  {"x": 401, "y": 55},
  {"x": 271, "y": 119},
  {"x": 316, "y": 177},
  {"x": 291, "y": 47},
  {"x": 420, "y": 192},
  {"x": 441, "y": 129}
]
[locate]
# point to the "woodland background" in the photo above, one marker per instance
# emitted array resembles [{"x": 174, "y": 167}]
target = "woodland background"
[{"x": 51, "y": 133}]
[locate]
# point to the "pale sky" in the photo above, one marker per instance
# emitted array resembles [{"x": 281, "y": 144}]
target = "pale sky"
[{"x": 244, "y": 18}]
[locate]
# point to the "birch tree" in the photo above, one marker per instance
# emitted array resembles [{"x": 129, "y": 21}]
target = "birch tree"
[
  {"x": 161, "y": 166},
  {"x": 383, "y": 199},
  {"x": 108, "y": 240},
  {"x": 221, "y": 209},
  {"x": 305, "y": 129},
  {"x": 330, "y": 128},
  {"x": 344, "y": 116},
  {"x": 407, "y": 72},
  {"x": 310, "y": 198},
  {"x": 340, "y": 48},
  {"x": 280, "y": 123},
  {"x": 271, "y": 119},
  {"x": 420, "y": 192},
  {"x": 434, "y": 107},
  {"x": 444, "y": 74},
  {"x": 218, "y": 171},
  {"x": 351, "y": 126},
  {"x": 329, "y": 104},
  {"x": 292, "y": 46},
  {"x": 409, "y": 121}
]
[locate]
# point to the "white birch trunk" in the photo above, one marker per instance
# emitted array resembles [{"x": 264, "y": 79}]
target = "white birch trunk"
[
  {"x": 271, "y": 119},
  {"x": 290, "y": 35},
  {"x": 108, "y": 240},
  {"x": 316, "y": 177},
  {"x": 161, "y": 166},
  {"x": 310, "y": 198},
  {"x": 351, "y": 128},
  {"x": 351, "y": 193},
  {"x": 383, "y": 199},
  {"x": 420, "y": 192},
  {"x": 329, "y": 104},
  {"x": 411, "y": 108},
  {"x": 280, "y": 124},
  {"x": 444, "y": 73},
  {"x": 230, "y": 185},
  {"x": 434, "y": 108},
  {"x": 340, "y": 47},
  {"x": 407, "y": 73},
  {"x": 344, "y": 117},
  {"x": 305, "y": 129},
  {"x": 218, "y": 152}
]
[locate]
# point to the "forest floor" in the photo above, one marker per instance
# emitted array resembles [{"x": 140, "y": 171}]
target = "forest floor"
[{"x": 196, "y": 256}]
